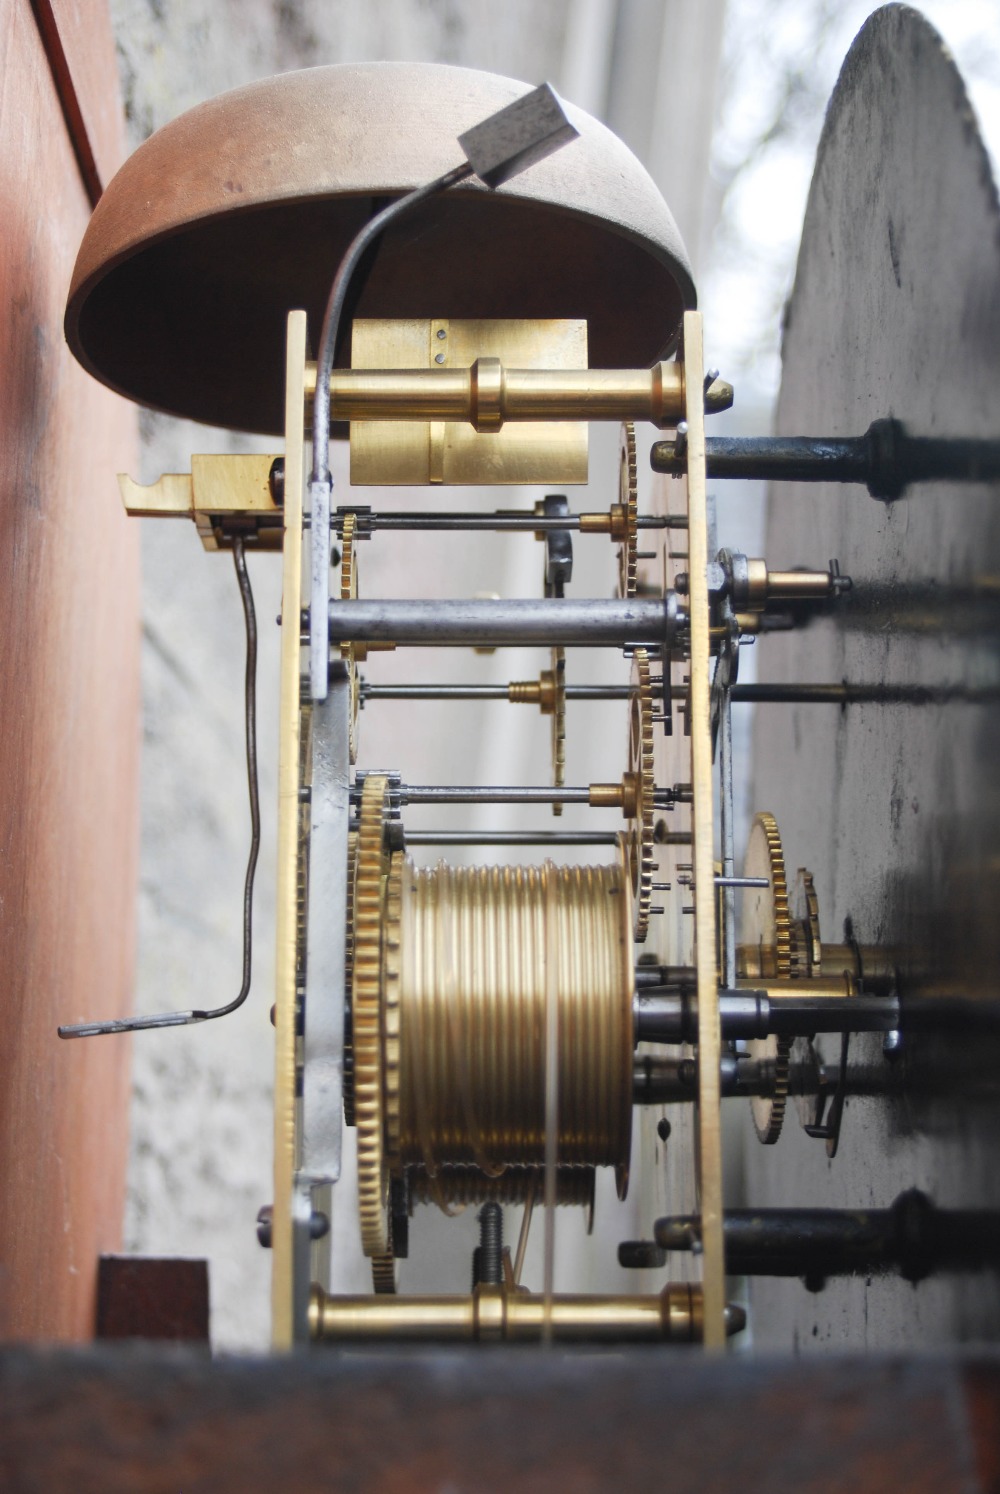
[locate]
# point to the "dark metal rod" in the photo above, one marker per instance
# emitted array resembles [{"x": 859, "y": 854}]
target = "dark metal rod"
[
  {"x": 849, "y": 694},
  {"x": 664, "y": 977},
  {"x": 672, "y": 1016},
  {"x": 366, "y": 236},
  {"x": 499, "y": 522},
  {"x": 511, "y": 838},
  {"x": 913, "y": 1237},
  {"x": 184, "y": 1019},
  {"x": 475, "y": 793},
  {"x": 605, "y": 692},
  {"x": 791, "y": 694},
  {"x": 728, "y": 881},
  {"x": 433, "y": 692},
  {"x": 483, "y": 692},
  {"x": 493, "y": 793},
  {"x": 320, "y": 480},
  {"x": 772, "y": 458},
  {"x": 800, "y": 1015},
  {"x": 547, "y": 621},
  {"x": 878, "y": 964},
  {"x": 885, "y": 460},
  {"x": 667, "y": 1081}
]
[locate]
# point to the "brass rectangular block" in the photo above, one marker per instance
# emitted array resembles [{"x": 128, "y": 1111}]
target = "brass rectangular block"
[
  {"x": 232, "y": 483},
  {"x": 220, "y": 488}
]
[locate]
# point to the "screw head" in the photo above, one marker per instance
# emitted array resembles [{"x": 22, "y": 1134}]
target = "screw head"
[
  {"x": 892, "y": 1045},
  {"x": 276, "y": 482},
  {"x": 641, "y": 1255},
  {"x": 319, "y": 1225}
]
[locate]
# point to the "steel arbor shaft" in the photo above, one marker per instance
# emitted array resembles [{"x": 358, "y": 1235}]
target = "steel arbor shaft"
[{"x": 546, "y": 622}]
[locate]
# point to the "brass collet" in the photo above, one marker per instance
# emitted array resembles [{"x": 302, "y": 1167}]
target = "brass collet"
[
  {"x": 540, "y": 692},
  {"x": 623, "y": 795}
]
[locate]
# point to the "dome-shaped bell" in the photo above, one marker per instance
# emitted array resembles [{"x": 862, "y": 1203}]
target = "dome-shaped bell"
[{"x": 240, "y": 210}]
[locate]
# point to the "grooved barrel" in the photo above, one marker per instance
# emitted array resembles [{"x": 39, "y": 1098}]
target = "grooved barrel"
[{"x": 477, "y": 950}]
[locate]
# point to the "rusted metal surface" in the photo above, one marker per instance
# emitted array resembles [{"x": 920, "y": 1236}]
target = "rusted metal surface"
[
  {"x": 893, "y": 803},
  {"x": 241, "y": 209},
  {"x": 145, "y": 1297},
  {"x": 147, "y": 1423},
  {"x": 69, "y": 728}
]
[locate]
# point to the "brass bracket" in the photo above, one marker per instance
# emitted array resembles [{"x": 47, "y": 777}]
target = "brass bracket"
[
  {"x": 225, "y": 495},
  {"x": 475, "y": 444}
]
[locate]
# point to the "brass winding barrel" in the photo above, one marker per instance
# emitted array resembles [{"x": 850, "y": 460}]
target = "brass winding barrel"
[{"x": 480, "y": 949}]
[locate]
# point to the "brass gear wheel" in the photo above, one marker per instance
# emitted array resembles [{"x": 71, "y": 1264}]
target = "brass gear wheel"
[
  {"x": 807, "y": 922},
  {"x": 384, "y": 1275},
  {"x": 805, "y": 909},
  {"x": 641, "y": 860},
  {"x": 390, "y": 1008},
  {"x": 628, "y": 499},
  {"x": 352, "y": 862},
  {"x": 366, "y": 1017},
  {"x": 558, "y": 723},
  {"x": 348, "y": 593},
  {"x": 767, "y": 922}
]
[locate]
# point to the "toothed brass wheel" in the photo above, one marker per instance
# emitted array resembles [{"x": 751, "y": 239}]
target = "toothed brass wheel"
[
  {"x": 352, "y": 862},
  {"x": 806, "y": 908},
  {"x": 390, "y": 1008},
  {"x": 628, "y": 499},
  {"x": 767, "y": 923},
  {"x": 348, "y": 593},
  {"x": 384, "y": 1074},
  {"x": 384, "y": 1275},
  {"x": 558, "y": 723},
  {"x": 371, "y": 870},
  {"x": 641, "y": 861},
  {"x": 805, "y": 916}
]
